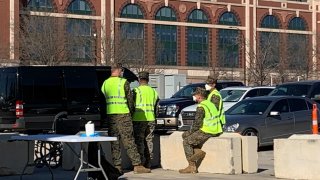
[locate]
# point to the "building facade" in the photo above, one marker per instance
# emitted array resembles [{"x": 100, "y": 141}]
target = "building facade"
[{"x": 262, "y": 41}]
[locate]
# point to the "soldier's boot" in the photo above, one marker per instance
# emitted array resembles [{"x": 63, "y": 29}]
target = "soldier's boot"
[
  {"x": 140, "y": 169},
  {"x": 198, "y": 155},
  {"x": 192, "y": 168},
  {"x": 119, "y": 169}
]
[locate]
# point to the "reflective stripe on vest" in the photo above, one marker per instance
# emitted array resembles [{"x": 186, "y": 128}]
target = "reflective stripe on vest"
[
  {"x": 146, "y": 98},
  {"x": 221, "y": 110},
  {"x": 113, "y": 89},
  {"x": 211, "y": 121}
]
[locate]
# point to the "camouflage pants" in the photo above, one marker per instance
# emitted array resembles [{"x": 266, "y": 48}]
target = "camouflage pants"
[
  {"x": 194, "y": 140},
  {"x": 120, "y": 126},
  {"x": 144, "y": 134}
]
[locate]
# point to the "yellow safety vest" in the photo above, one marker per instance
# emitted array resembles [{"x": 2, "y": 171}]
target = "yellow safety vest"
[
  {"x": 211, "y": 121},
  {"x": 146, "y": 98},
  {"x": 116, "y": 101},
  {"x": 221, "y": 110}
]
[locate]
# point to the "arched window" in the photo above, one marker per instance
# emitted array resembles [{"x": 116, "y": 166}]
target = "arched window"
[
  {"x": 228, "y": 41},
  {"x": 40, "y": 5},
  {"x": 79, "y": 7},
  {"x": 298, "y": 48},
  {"x": 297, "y": 23},
  {"x": 270, "y": 21},
  {"x": 80, "y": 36},
  {"x": 269, "y": 44},
  {"x": 198, "y": 40},
  {"x": 132, "y": 34},
  {"x": 166, "y": 38}
]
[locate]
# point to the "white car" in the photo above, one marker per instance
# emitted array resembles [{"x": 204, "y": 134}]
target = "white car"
[{"x": 230, "y": 96}]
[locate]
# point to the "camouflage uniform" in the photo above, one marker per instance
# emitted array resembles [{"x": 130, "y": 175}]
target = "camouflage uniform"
[
  {"x": 215, "y": 100},
  {"x": 120, "y": 126},
  {"x": 144, "y": 132},
  {"x": 195, "y": 138}
]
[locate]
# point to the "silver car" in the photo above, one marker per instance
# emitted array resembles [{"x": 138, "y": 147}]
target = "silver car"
[{"x": 270, "y": 117}]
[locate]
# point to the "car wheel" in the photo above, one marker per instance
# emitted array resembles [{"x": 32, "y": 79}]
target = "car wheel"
[{"x": 250, "y": 132}]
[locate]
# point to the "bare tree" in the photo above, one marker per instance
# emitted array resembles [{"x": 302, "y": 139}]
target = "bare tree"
[
  {"x": 299, "y": 55},
  {"x": 46, "y": 40},
  {"x": 40, "y": 41},
  {"x": 265, "y": 60}
]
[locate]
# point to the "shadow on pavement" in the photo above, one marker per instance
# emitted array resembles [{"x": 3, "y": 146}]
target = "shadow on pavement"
[{"x": 265, "y": 148}]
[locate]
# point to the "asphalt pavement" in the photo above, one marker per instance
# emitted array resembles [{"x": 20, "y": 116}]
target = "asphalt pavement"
[{"x": 266, "y": 171}]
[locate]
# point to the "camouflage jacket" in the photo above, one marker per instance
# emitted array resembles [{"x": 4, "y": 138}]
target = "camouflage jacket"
[{"x": 198, "y": 122}]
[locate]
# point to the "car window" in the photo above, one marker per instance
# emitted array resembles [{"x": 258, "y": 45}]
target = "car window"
[
  {"x": 297, "y": 105},
  {"x": 291, "y": 90},
  {"x": 264, "y": 91},
  {"x": 7, "y": 87},
  {"x": 81, "y": 86},
  {"x": 281, "y": 106},
  {"x": 42, "y": 86},
  {"x": 186, "y": 91},
  {"x": 316, "y": 92},
  {"x": 252, "y": 93},
  {"x": 231, "y": 95},
  {"x": 256, "y": 107}
]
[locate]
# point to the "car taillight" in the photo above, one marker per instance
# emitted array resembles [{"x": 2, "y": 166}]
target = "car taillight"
[{"x": 19, "y": 109}]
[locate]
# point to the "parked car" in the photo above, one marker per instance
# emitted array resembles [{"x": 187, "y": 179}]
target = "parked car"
[
  {"x": 230, "y": 96},
  {"x": 270, "y": 117},
  {"x": 309, "y": 89},
  {"x": 169, "y": 109},
  {"x": 32, "y": 98}
]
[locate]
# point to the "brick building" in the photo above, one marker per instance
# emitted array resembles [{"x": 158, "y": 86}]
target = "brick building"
[{"x": 271, "y": 40}]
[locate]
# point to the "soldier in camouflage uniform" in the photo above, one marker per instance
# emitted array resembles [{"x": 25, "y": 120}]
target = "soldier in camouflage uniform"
[
  {"x": 146, "y": 108},
  {"x": 215, "y": 97},
  {"x": 120, "y": 105},
  {"x": 211, "y": 86},
  {"x": 206, "y": 125}
]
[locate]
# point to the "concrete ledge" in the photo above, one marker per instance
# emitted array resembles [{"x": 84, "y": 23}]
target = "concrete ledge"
[
  {"x": 223, "y": 154},
  {"x": 297, "y": 157},
  {"x": 14, "y": 155},
  {"x": 249, "y": 149}
]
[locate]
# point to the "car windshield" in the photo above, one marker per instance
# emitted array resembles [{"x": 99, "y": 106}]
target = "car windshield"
[
  {"x": 249, "y": 107},
  {"x": 291, "y": 90},
  {"x": 231, "y": 95},
  {"x": 186, "y": 92}
]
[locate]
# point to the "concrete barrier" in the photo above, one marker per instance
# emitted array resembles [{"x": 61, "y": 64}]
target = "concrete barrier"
[
  {"x": 71, "y": 162},
  {"x": 249, "y": 149},
  {"x": 297, "y": 157},
  {"x": 223, "y": 154},
  {"x": 14, "y": 155}
]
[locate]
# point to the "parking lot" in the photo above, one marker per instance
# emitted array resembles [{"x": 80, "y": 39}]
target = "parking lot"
[{"x": 266, "y": 171}]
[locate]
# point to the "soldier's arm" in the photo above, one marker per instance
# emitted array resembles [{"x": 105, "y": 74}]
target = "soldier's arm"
[
  {"x": 102, "y": 89},
  {"x": 129, "y": 97},
  {"x": 216, "y": 101},
  {"x": 198, "y": 122},
  {"x": 134, "y": 96}
]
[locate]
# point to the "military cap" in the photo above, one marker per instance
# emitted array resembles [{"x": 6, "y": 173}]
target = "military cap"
[
  {"x": 143, "y": 75},
  {"x": 211, "y": 80},
  {"x": 200, "y": 91}
]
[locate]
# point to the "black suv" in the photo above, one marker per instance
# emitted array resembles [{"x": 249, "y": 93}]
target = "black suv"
[
  {"x": 309, "y": 89},
  {"x": 169, "y": 109},
  {"x": 34, "y": 98}
]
